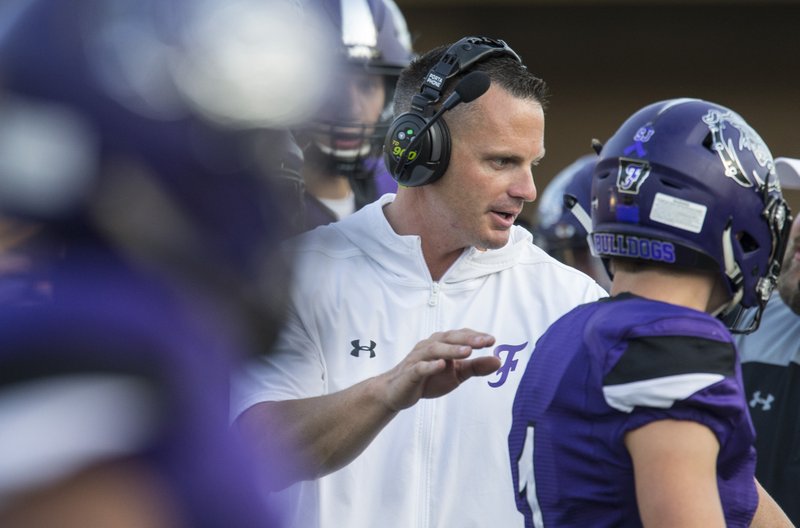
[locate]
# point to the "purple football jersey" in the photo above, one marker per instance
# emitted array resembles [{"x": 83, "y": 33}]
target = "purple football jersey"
[
  {"x": 106, "y": 320},
  {"x": 384, "y": 183},
  {"x": 607, "y": 368}
]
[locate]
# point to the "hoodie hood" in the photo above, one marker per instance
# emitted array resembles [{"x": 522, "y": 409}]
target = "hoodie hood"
[{"x": 401, "y": 255}]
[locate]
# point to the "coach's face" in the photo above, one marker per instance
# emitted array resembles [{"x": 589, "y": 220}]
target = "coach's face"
[
  {"x": 495, "y": 145},
  {"x": 789, "y": 280}
]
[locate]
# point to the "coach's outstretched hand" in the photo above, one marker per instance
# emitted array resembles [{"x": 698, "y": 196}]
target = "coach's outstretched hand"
[
  {"x": 436, "y": 366},
  {"x": 324, "y": 433}
]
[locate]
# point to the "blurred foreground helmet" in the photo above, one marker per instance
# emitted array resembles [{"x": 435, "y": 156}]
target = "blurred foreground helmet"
[
  {"x": 160, "y": 127},
  {"x": 689, "y": 183},
  {"x": 373, "y": 45},
  {"x": 147, "y": 178}
]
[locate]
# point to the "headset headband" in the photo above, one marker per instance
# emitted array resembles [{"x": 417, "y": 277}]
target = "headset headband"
[
  {"x": 458, "y": 57},
  {"x": 417, "y": 145}
]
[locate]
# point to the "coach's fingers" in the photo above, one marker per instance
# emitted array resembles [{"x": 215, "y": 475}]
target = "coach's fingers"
[
  {"x": 481, "y": 366},
  {"x": 425, "y": 369},
  {"x": 432, "y": 363},
  {"x": 464, "y": 336},
  {"x": 453, "y": 344}
]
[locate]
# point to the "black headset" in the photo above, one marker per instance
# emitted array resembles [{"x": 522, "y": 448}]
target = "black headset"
[{"x": 417, "y": 145}]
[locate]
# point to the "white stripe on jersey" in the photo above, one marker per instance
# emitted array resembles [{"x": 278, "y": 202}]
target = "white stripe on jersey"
[{"x": 659, "y": 393}]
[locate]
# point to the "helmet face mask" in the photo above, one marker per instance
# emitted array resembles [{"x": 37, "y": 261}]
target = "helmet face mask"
[{"x": 689, "y": 183}]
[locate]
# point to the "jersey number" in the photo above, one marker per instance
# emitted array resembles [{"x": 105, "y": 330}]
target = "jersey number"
[{"x": 527, "y": 482}]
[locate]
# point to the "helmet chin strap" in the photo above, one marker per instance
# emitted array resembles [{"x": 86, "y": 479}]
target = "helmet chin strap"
[
  {"x": 580, "y": 214},
  {"x": 732, "y": 271},
  {"x": 732, "y": 312}
]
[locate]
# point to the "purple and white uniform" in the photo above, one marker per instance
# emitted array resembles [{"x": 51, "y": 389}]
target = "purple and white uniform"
[{"x": 605, "y": 369}]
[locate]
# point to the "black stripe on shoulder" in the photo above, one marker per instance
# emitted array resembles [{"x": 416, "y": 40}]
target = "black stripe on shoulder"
[{"x": 660, "y": 356}]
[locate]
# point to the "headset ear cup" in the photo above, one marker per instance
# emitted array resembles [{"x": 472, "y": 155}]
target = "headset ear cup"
[
  {"x": 437, "y": 156},
  {"x": 430, "y": 157},
  {"x": 400, "y": 134}
]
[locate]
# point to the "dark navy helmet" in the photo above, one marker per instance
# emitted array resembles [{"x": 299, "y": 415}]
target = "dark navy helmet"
[
  {"x": 688, "y": 183},
  {"x": 555, "y": 226},
  {"x": 561, "y": 226},
  {"x": 371, "y": 37}
]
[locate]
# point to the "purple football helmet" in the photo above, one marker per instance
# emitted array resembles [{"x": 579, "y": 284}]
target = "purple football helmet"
[
  {"x": 689, "y": 183},
  {"x": 372, "y": 38},
  {"x": 556, "y": 227}
]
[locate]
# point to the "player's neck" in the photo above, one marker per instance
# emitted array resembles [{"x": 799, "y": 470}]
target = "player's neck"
[
  {"x": 683, "y": 288},
  {"x": 325, "y": 185}
]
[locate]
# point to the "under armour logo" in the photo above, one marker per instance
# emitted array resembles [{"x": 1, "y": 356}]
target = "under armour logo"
[
  {"x": 765, "y": 403},
  {"x": 509, "y": 365},
  {"x": 358, "y": 348}
]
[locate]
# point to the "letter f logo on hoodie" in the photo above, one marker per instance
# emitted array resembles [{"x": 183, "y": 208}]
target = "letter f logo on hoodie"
[{"x": 510, "y": 363}]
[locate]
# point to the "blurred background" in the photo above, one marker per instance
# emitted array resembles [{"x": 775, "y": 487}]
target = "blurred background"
[{"x": 605, "y": 59}]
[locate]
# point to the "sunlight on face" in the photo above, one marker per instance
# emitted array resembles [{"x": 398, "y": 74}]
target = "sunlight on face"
[{"x": 495, "y": 146}]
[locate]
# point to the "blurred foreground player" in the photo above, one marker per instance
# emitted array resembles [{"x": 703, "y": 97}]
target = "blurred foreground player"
[
  {"x": 151, "y": 211},
  {"x": 631, "y": 411}
]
